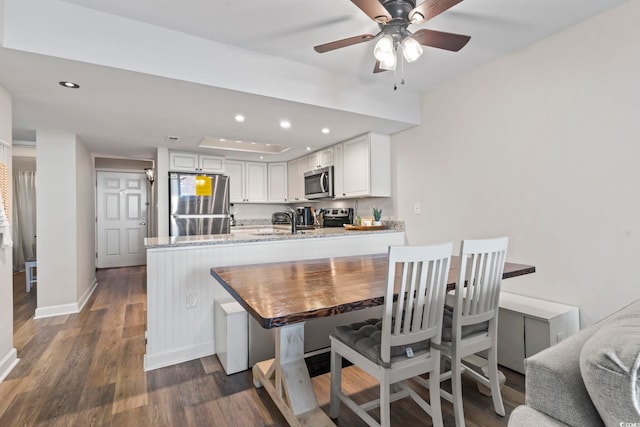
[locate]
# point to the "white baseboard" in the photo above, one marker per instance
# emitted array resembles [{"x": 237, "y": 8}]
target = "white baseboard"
[
  {"x": 7, "y": 363},
  {"x": 62, "y": 309},
  {"x": 85, "y": 297},
  {"x": 155, "y": 361},
  {"x": 56, "y": 310}
]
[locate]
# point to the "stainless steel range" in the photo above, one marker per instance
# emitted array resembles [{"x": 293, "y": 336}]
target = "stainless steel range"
[{"x": 337, "y": 217}]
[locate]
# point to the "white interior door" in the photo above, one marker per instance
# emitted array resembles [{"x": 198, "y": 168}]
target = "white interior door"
[{"x": 122, "y": 219}]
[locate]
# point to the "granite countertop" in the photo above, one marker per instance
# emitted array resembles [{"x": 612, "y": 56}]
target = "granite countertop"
[{"x": 262, "y": 233}]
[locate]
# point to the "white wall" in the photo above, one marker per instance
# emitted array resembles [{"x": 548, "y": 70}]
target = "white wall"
[
  {"x": 85, "y": 222},
  {"x": 8, "y": 355},
  {"x": 65, "y": 223},
  {"x": 543, "y": 146}
]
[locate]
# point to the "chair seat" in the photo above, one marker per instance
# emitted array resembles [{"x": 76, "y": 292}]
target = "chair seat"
[
  {"x": 366, "y": 338},
  {"x": 447, "y": 326}
]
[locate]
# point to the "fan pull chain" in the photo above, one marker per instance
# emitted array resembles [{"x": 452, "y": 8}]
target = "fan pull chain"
[{"x": 395, "y": 75}]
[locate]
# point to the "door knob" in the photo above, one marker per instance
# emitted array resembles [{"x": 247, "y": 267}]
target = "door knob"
[{"x": 143, "y": 223}]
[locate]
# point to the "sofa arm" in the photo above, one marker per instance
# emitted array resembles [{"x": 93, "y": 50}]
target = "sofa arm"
[
  {"x": 524, "y": 416},
  {"x": 554, "y": 384}
]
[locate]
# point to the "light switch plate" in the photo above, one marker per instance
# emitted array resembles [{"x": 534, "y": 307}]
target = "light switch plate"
[{"x": 416, "y": 208}]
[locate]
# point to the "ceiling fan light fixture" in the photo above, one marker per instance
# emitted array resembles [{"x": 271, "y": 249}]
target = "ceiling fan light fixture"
[
  {"x": 411, "y": 49},
  {"x": 389, "y": 63},
  {"x": 383, "y": 48}
]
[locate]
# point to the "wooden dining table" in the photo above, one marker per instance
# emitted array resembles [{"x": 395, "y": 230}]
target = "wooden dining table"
[{"x": 284, "y": 295}]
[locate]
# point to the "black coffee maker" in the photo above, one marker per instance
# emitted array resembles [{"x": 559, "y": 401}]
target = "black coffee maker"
[{"x": 306, "y": 216}]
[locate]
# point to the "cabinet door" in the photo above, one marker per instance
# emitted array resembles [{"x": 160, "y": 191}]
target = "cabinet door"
[
  {"x": 256, "y": 179},
  {"x": 356, "y": 159},
  {"x": 235, "y": 171},
  {"x": 300, "y": 179},
  {"x": 511, "y": 333},
  {"x": 338, "y": 172},
  {"x": 292, "y": 181},
  {"x": 320, "y": 159},
  {"x": 183, "y": 162},
  {"x": 277, "y": 177},
  {"x": 325, "y": 157},
  {"x": 211, "y": 164}
]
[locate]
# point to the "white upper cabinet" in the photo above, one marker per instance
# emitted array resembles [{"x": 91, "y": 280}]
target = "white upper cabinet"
[
  {"x": 320, "y": 159},
  {"x": 338, "y": 171},
  {"x": 235, "y": 171},
  {"x": 191, "y": 162},
  {"x": 295, "y": 179},
  {"x": 364, "y": 169},
  {"x": 277, "y": 178},
  {"x": 247, "y": 181},
  {"x": 256, "y": 182}
]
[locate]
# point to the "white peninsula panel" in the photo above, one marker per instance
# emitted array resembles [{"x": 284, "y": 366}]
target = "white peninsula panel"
[{"x": 181, "y": 292}]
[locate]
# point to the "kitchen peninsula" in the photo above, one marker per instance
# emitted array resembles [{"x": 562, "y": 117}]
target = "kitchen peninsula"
[{"x": 181, "y": 292}]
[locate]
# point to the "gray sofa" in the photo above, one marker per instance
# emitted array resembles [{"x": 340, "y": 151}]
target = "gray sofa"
[{"x": 590, "y": 379}]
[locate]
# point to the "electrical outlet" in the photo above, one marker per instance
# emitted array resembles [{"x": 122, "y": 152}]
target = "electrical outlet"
[
  {"x": 192, "y": 299},
  {"x": 416, "y": 208}
]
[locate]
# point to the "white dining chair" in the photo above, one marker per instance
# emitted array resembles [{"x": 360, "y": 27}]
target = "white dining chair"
[
  {"x": 471, "y": 324},
  {"x": 403, "y": 344}
]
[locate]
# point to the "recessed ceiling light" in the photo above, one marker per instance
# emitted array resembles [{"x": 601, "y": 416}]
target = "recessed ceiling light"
[
  {"x": 239, "y": 142},
  {"x": 261, "y": 157},
  {"x": 285, "y": 124},
  {"x": 308, "y": 148},
  {"x": 222, "y": 140},
  {"x": 326, "y": 130},
  {"x": 239, "y": 118},
  {"x": 70, "y": 85}
]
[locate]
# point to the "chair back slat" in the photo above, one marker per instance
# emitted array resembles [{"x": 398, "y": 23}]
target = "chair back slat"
[
  {"x": 419, "y": 275},
  {"x": 481, "y": 269}
]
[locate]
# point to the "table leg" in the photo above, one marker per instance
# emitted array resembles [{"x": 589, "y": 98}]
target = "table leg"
[{"x": 287, "y": 380}]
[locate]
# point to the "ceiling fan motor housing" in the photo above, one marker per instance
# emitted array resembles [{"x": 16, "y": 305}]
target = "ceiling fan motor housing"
[{"x": 399, "y": 9}]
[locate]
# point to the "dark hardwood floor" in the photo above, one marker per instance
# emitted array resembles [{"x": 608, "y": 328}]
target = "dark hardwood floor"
[{"x": 86, "y": 370}]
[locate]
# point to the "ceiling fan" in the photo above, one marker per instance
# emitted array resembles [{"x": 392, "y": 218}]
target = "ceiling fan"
[{"x": 393, "y": 17}]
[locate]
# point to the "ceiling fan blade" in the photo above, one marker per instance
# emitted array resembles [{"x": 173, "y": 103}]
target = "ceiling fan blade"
[
  {"x": 377, "y": 69},
  {"x": 441, "y": 40},
  {"x": 430, "y": 8},
  {"x": 374, "y": 10},
  {"x": 343, "y": 43}
]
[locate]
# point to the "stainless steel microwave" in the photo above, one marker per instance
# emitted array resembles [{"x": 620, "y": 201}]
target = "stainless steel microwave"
[{"x": 318, "y": 184}]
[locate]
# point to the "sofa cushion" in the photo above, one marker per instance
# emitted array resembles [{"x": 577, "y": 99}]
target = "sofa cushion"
[
  {"x": 524, "y": 416},
  {"x": 554, "y": 385},
  {"x": 610, "y": 365}
]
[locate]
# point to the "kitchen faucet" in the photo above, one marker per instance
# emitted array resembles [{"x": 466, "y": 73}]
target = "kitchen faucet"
[{"x": 294, "y": 219}]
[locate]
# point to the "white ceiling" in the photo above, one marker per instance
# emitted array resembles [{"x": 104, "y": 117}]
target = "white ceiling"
[{"x": 119, "y": 112}]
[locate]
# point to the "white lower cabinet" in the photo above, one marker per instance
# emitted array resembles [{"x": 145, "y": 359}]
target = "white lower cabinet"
[{"x": 528, "y": 325}]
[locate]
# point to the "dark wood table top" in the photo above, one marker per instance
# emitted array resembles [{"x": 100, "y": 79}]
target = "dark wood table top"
[{"x": 281, "y": 293}]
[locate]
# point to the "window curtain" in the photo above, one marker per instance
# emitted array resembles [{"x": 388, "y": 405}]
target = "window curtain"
[{"x": 24, "y": 218}]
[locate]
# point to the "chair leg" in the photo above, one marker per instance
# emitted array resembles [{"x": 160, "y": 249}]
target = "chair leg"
[
  {"x": 385, "y": 401},
  {"x": 336, "y": 384},
  {"x": 456, "y": 389},
  {"x": 494, "y": 380},
  {"x": 434, "y": 394}
]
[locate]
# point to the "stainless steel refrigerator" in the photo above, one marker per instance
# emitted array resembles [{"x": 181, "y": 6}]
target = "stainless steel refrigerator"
[{"x": 199, "y": 204}]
